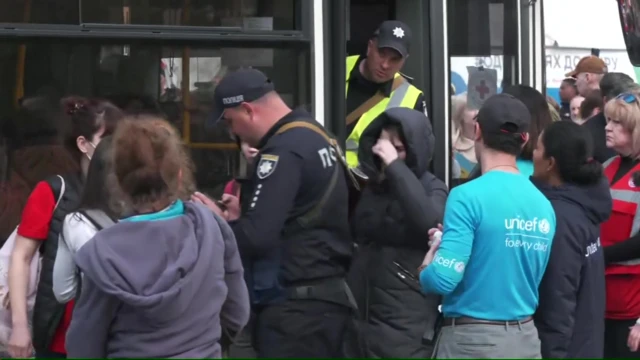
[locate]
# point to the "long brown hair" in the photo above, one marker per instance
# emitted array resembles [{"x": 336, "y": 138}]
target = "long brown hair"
[
  {"x": 86, "y": 118},
  {"x": 151, "y": 164}
]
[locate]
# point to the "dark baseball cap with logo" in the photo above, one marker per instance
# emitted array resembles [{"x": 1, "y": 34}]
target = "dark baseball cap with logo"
[
  {"x": 394, "y": 35},
  {"x": 504, "y": 114},
  {"x": 245, "y": 85}
]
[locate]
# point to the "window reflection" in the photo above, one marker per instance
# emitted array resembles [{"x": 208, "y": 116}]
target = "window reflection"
[
  {"x": 179, "y": 81},
  {"x": 246, "y": 14},
  {"x": 483, "y": 58}
]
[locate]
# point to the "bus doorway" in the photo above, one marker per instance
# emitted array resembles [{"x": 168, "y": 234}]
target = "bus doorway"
[{"x": 451, "y": 39}]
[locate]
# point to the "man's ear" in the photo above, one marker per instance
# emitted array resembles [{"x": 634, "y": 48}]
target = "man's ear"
[
  {"x": 477, "y": 133},
  {"x": 81, "y": 143},
  {"x": 525, "y": 137},
  {"x": 552, "y": 163}
]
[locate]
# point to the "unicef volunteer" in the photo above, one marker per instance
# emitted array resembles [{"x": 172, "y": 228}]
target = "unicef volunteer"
[
  {"x": 374, "y": 82},
  {"x": 498, "y": 231}
]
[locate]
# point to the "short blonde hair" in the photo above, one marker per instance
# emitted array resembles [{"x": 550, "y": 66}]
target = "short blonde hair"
[{"x": 628, "y": 115}]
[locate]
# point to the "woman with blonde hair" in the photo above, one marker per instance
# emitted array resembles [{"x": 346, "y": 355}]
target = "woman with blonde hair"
[
  {"x": 462, "y": 130},
  {"x": 163, "y": 282},
  {"x": 619, "y": 235}
]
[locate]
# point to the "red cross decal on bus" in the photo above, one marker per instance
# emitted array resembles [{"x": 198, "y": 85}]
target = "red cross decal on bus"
[{"x": 482, "y": 89}]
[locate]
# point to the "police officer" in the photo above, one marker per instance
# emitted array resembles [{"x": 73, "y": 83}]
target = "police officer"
[
  {"x": 374, "y": 82},
  {"x": 294, "y": 232}
]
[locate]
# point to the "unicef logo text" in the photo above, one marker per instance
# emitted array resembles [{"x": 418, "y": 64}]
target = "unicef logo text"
[
  {"x": 543, "y": 225},
  {"x": 454, "y": 264}
]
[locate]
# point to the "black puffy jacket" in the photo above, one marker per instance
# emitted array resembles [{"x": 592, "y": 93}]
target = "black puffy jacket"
[
  {"x": 390, "y": 225},
  {"x": 570, "y": 314}
]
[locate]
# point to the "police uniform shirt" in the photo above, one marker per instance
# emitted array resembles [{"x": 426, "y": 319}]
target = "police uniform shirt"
[
  {"x": 291, "y": 173},
  {"x": 361, "y": 90}
]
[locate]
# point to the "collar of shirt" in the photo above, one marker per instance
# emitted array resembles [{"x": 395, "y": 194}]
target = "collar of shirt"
[
  {"x": 357, "y": 79},
  {"x": 174, "y": 210},
  {"x": 294, "y": 115}
]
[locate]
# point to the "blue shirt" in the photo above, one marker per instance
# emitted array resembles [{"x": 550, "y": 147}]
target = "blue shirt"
[{"x": 498, "y": 231}]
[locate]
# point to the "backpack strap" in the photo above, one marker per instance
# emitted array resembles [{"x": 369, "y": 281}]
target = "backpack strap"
[
  {"x": 332, "y": 142},
  {"x": 309, "y": 218},
  {"x": 57, "y": 185},
  {"x": 98, "y": 218}
]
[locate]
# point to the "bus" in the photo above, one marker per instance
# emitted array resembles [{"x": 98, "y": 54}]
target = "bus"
[{"x": 175, "y": 51}]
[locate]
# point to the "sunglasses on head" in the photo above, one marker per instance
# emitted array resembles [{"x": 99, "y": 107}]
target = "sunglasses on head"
[{"x": 627, "y": 98}]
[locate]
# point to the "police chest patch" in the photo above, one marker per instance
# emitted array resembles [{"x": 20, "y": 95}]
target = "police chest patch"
[{"x": 267, "y": 165}]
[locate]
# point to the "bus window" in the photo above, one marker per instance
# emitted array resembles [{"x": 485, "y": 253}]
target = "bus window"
[
  {"x": 179, "y": 79},
  {"x": 247, "y": 14},
  {"x": 40, "y": 12},
  {"x": 482, "y": 43}
]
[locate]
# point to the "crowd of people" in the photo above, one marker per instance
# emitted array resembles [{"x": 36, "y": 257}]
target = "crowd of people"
[{"x": 531, "y": 253}]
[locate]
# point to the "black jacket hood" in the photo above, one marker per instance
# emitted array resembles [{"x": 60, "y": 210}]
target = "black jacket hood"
[
  {"x": 417, "y": 135},
  {"x": 595, "y": 200}
]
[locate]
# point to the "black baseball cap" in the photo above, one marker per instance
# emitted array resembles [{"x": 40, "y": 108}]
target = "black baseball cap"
[
  {"x": 395, "y": 35},
  {"x": 245, "y": 85},
  {"x": 504, "y": 113}
]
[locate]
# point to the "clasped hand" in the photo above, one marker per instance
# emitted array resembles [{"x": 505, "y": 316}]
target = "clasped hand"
[{"x": 229, "y": 209}]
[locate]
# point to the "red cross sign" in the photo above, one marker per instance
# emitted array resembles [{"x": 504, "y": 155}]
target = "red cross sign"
[
  {"x": 482, "y": 84},
  {"x": 482, "y": 89}
]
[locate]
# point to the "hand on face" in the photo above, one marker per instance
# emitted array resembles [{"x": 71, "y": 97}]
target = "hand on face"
[{"x": 386, "y": 151}]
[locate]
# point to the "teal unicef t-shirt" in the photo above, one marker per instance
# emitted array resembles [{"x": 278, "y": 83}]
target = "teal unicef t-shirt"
[
  {"x": 498, "y": 231},
  {"x": 525, "y": 167}
]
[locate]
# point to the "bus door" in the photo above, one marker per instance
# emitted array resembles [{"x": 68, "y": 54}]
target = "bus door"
[{"x": 454, "y": 40}]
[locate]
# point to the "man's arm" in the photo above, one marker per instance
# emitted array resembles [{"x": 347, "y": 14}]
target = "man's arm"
[
  {"x": 444, "y": 274},
  {"x": 276, "y": 179}
]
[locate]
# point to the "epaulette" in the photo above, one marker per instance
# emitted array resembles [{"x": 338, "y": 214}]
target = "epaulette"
[{"x": 409, "y": 78}]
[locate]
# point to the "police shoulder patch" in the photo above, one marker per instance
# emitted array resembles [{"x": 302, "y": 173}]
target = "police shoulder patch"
[{"x": 267, "y": 165}]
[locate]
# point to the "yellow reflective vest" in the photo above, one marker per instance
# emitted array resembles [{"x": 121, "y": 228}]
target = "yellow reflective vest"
[{"x": 406, "y": 95}]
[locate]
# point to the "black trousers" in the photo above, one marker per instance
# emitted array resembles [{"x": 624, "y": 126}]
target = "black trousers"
[
  {"x": 616, "y": 333},
  {"x": 302, "y": 329},
  {"x": 50, "y": 355}
]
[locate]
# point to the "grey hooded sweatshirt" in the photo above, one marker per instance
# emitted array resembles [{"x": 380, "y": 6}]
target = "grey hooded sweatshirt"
[{"x": 159, "y": 287}]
